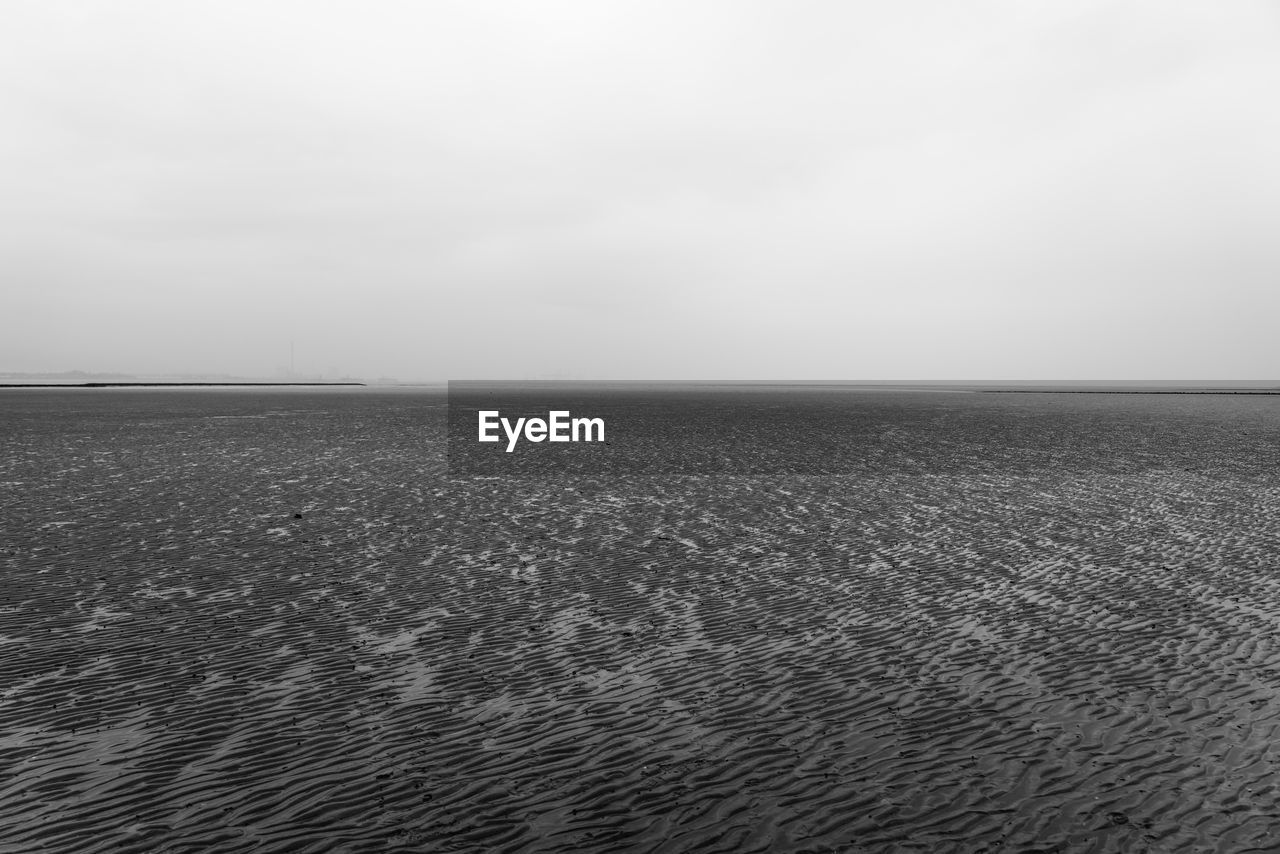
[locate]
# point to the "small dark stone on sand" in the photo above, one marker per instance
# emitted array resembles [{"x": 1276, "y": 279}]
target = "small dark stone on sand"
[{"x": 297, "y": 515}]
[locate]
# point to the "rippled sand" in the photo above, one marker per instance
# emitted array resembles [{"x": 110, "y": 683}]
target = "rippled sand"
[{"x": 270, "y": 622}]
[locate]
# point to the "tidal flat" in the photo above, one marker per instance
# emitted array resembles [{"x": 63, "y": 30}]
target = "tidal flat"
[{"x": 270, "y": 620}]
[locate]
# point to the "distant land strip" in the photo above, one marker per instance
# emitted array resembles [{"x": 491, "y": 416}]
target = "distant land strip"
[
  {"x": 162, "y": 385},
  {"x": 1125, "y": 391}
]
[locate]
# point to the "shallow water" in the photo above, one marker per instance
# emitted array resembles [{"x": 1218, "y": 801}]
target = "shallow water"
[{"x": 1025, "y": 622}]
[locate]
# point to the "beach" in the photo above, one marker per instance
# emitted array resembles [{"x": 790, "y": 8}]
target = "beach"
[{"x": 270, "y": 620}]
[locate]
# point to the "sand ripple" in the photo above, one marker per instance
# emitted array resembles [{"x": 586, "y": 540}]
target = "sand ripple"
[{"x": 1048, "y": 657}]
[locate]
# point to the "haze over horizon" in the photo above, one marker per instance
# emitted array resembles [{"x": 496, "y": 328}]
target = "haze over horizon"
[{"x": 730, "y": 190}]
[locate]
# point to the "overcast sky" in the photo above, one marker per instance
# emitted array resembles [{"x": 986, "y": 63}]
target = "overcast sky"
[{"x": 601, "y": 189}]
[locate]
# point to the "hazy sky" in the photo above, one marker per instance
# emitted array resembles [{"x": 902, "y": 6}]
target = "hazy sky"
[{"x": 501, "y": 189}]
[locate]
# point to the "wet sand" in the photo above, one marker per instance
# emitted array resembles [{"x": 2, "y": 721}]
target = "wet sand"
[{"x": 249, "y": 620}]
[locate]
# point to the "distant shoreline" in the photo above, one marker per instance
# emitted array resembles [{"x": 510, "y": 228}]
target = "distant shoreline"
[
  {"x": 1123, "y": 391},
  {"x": 167, "y": 385},
  {"x": 958, "y": 387}
]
